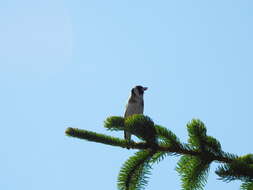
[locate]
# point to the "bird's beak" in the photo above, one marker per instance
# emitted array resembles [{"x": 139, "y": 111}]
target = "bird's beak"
[{"x": 145, "y": 88}]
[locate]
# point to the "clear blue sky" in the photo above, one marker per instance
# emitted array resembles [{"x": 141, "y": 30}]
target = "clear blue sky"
[{"x": 73, "y": 63}]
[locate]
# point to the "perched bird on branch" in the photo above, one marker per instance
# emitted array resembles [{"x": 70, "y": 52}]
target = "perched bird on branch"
[{"x": 135, "y": 105}]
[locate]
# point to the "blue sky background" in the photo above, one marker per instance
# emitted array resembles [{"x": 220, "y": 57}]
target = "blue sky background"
[{"x": 73, "y": 63}]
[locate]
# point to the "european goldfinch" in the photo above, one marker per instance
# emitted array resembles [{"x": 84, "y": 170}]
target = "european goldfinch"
[{"x": 135, "y": 105}]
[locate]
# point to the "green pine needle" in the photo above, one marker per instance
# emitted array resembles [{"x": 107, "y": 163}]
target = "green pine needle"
[
  {"x": 135, "y": 172},
  {"x": 96, "y": 137},
  {"x": 193, "y": 171},
  {"x": 114, "y": 123},
  {"x": 159, "y": 156},
  {"x": 167, "y": 136},
  {"x": 197, "y": 132},
  {"x": 212, "y": 145},
  {"x": 239, "y": 169},
  {"x": 141, "y": 126},
  {"x": 247, "y": 185},
  {"x": 200, "y": 141}
]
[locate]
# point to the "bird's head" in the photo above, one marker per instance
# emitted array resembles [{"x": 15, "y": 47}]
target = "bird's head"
[{"x": 138, "y": 90}]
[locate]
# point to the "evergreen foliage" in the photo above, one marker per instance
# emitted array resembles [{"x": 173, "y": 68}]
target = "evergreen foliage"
[
  {"x": 199, "y": 140},
  {"x": 157, "y": 142},
  {"x": 114, "y": 123},
  {"x": 135, "y": 172},
  {"x": 239, "y": 169},
  {"x": 247, "y": 186},
  {"x": 193, "y": 171},
  {"x": 142, "y": 127},
  {"x": 168, "y": 137}
]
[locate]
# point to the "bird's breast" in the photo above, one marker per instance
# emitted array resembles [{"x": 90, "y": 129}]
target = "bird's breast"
[{"x": 134, "y": 108}]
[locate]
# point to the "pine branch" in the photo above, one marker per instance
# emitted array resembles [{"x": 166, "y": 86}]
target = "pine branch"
[
  {"x": 157, "y": 142},
  {"x": 109, "y": 140},
  {"x": 101, "y": 138},
  {"x": 239, "y": 169}
]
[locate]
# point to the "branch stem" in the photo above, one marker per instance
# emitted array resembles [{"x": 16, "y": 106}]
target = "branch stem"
[{"x": 109, "y": 140}]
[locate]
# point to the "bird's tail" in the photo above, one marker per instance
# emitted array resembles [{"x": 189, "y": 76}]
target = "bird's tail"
[{"x": 127, "y": 136}]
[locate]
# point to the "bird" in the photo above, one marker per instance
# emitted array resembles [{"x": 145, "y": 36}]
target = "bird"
[{"x": 135, "y": 105}]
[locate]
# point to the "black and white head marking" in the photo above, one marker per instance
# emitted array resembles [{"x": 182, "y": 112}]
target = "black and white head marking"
[{"x": 138, "y": 90}]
